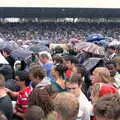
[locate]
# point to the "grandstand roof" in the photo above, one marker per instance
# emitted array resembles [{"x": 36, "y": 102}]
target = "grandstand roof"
[{"x": 59, "y": 12}]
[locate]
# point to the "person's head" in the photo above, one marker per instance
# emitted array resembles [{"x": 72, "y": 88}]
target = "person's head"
[
  {"x": 71, "y": 61},
  {"x": 117, "y": 61},
  {"x": 2, "y": 81},
  {"x": 108, "y": 107},
  {"x": 74, "y": 84},
  {"x": 44, "y": 58},
  {"x": 22, "y": 78},
  {"x": 58, "y": 49},
  {"x": 58, "y": 60},
  {"x": 111, "y": 66},
  {"x": 66, "y": 106},
  {"x": 36, "y": 74},
  {"x": 2, "y": 116},
  {"x": 100, "y": 89},
  {"x": 58, "y": 70},
  {"x": 34, "y": 113},
  {"x": 41, "y": 98},
  {"x": 101, "y": 75},
  {"x": 80, "y": 70},
  {"x": 111, "y": 50},
  {"x": 7, "y": 51}
]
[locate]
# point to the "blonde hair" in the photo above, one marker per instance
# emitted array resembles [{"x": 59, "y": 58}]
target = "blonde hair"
[
  {"x": 2, "y": 81},
  {"x": 67, "y": 105},
  {"x": 104, "y": 74}
]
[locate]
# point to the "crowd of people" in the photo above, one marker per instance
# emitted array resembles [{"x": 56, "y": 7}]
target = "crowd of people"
[
  {"x": 57, "y": 32},
  {"x": 59, "y": 86}
]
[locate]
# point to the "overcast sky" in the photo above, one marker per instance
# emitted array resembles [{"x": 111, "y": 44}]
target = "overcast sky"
[{"x": 61, "y": 3}]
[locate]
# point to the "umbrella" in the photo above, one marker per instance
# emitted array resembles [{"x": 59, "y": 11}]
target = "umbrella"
[
  {"x": 90, "y": 48},
  {"x": 2, "y": 44},
  {"x": 21, "y": 53},
  {"x": 74, "y": 40},
  {"x": 114, "y": 43},
  {"x": 38, "y": 48},
  {"x": 11, "y": 45},
  {"x": 91, "y": 63},
  {"x": 94, "y": 37}
]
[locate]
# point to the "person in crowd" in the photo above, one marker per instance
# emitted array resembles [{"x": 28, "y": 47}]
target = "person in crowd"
[
  {"x": 74, "y": 86},
  {"x": 80, "y": 70},
  {"x": 9, "y": 58},
  {"x": 111, "y": 50},
  {"x": 58, "y": 73},
  {"x": 47, "y": 64},
  {"x": 34, "y": 112},
  {"x": 70, "y": 63},
  {"x": 101, "y": 75},
  {"x": 2, "y": 116},
  {"x": 41, "y": 97},
  {"x": 38, "y": 77},
  {"x": 22, "y": 81},
  {"x": 5, "y": 101},
  {"x": 111, "y": 65},
  {"x": 100, "y": 89},
  {"x": 58, "y": 60},
  {"x": 108, "y": 107},
  {"x": 66, "y": 106}
]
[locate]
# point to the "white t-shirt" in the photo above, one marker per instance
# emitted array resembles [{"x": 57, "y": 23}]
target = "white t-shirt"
[{"x": 85, "y": 108}]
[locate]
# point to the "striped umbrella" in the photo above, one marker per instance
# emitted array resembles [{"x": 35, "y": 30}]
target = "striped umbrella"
[{"x": 90, "y": 48}]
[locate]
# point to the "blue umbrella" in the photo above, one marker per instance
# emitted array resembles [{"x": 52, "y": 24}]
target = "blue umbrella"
[
  {"x": 2, "y": 45},
  {"x": 94, "y": 37},
  {"x": 11, "y": 45},
  {"x": 21, "y": 53},
  {"x": 38, "y": 48}
]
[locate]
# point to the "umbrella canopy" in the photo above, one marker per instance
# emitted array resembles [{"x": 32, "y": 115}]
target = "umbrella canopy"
[
  {"x": 94, "y": 37},
  {"x": 21, "y": 53},
  {"x": 91, "y": 63},
  {"x": 90, "y": 48},
  {"x": 2, "y": 44},
  {"x": 114, "y": 43},
  {"x": 38, "y": 48},
  {"x": 11, "y": 45}
]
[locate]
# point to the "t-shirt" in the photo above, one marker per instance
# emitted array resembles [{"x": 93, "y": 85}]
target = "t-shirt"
[
  {"x": 6, "y": 106},
  {"x": 84, "y": 109},
  {"x": 48, "y": 67},
  {"x": 22, "y": 100}
]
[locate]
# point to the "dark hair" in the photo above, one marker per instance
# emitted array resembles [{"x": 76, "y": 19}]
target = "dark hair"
[
  {"x": 58, "y": 59},
  {"x": 111, "y": 47},
  {"x": 72, "y": 59},
  {"x": 75, "y": 78},
  {"x": 58, "y": 49},
  {"x": 110, "y": 62},
  {"x": 38, "y": 71},
  {"x": 34, "y": 113},
  {"x": 40, "y": 97},
  {"x": 61, "y": 69},
  {"x": 80, "y": 69},
  {"x": 108, "y": 107},
  {"x": 23, "y": 76}
]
